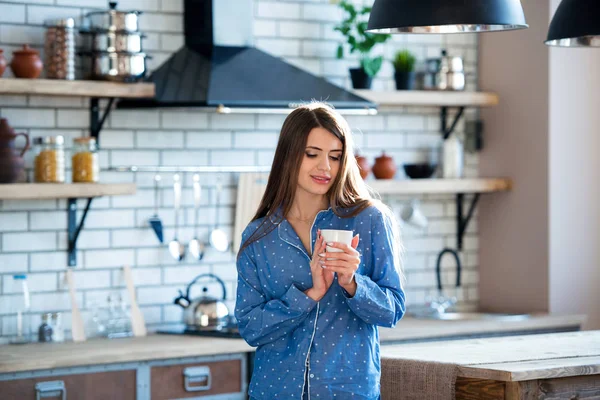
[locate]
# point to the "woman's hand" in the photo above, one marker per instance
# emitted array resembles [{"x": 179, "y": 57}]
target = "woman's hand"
[
  {"x": 322, "y": 278},
  {"x": 344, "y": 264}
]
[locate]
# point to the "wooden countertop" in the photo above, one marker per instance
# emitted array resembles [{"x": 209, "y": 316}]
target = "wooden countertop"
[
  {"x": 43, "y": 356},
  {"x": 513, "y": 358},
  {"x": 412, "y": 329}
]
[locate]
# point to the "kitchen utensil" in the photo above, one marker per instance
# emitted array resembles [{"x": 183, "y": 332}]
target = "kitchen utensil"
[
  {"x": 137, "y": 318},
  {"x": 419, "y": 171},
  {"x": 155, "y": 221},
  {"x": 176, "y": 248},
  {"x": 218, "y": 238},
  {"x": 384, "y": 167},
  {"x": 412, "y": 215},
  {"x": 118, "y": 67},
  {"x": 77, "y": 330},
  {"x": 59, "y": 49},
  {"x": 197, "y": 248},
  {"x": 205, "y": 312},
  {"x": 111, "y": 41},
  {"x": 444, "y": 73},
  {"x": 26, "y": 63},
  {"x": 114, "y": 20},
  {"x": 251, "y": 187},
  {"x": 12, "y": 164}
]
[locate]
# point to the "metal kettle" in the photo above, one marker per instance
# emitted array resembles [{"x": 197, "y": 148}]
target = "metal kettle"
[{"x": 204, "y": 313}]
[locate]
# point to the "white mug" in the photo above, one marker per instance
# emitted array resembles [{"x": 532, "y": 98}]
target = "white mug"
[
  {"x": 411, "y": 214},
  {"x": 337, "y": 235}
]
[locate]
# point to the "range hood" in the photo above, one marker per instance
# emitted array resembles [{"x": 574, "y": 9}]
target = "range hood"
[{"x": 219, "y": 67}]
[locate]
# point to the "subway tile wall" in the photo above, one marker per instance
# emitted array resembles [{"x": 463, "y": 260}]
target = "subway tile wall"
[{"x": 33, "y": 238}]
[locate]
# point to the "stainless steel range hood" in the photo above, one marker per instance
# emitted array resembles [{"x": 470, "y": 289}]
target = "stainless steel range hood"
[{"x": 218, "y": 67}]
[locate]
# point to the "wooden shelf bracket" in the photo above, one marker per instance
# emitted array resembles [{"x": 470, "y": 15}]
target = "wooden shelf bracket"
[
  {"x": 463, "y": 221},
  {"x": 73, "y": 228}
]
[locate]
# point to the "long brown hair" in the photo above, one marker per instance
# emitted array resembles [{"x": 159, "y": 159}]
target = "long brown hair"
[{"x": 348, "y": 190}]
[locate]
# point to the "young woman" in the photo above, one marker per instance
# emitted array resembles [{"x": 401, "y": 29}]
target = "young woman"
[{"x": 314, "y": 320}]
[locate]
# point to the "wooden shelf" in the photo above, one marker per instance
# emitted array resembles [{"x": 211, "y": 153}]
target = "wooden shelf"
[
  {"x": 55, "y": 87},
  {"x": 429, "y": 98},
  {"x": 39, "y": 191},
  {"x": 440, "y": 186}
]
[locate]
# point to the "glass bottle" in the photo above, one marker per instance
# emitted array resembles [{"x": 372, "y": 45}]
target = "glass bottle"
[
  {"x": 86, "y": 167},
  {"x": 45, "y": 331},
  {"x": 49, "y": 163},
  {"x": 57, "y": 327},
  {"x": 22, "y": 316}
]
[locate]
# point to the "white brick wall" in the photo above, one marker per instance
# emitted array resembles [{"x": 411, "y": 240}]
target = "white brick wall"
[{"x": 33, "y": 239}]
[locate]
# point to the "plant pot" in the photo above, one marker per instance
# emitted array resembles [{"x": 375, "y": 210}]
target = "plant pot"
[
  {"x": 360, "y": 79},
  {"x": 405, "y": 80}
]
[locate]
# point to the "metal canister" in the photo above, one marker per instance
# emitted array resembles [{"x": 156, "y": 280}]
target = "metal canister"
[{"x": 59, "y": 49}]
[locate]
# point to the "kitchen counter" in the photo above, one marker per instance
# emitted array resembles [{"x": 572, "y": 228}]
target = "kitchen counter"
[
  {"x": 44, "y": 356},
  {"x": 483, "y": 366},
  {"x": 411, "y": 329}
]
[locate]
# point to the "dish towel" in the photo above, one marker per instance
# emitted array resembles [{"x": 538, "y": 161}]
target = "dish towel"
[{"x": 417, "y": 380}]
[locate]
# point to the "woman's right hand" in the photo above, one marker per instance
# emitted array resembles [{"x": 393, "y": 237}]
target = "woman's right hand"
[{"x": 322, "y": 278}]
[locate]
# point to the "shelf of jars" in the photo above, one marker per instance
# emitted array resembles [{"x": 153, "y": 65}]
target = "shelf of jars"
[
  {"x": 84, "y": 88},
  {"x": 41, "y": 191},
  {"x": 440, "y": 186}
]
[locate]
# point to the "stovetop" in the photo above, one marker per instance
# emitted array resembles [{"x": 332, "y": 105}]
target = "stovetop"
[{"x": 231, "y": 332}]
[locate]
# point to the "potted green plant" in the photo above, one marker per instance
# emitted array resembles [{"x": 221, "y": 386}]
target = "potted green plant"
[
  {"x": 404, "y": 64},
  {"x": 354, "y": 27}
]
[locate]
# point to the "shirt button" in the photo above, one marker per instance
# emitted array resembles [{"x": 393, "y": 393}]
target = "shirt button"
[{"x": 312, "y": 375}]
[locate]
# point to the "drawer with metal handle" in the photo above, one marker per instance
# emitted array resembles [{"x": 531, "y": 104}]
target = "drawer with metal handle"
[
  {"x": 50, "y": 389},
  {"x": 196, "y": 379}
]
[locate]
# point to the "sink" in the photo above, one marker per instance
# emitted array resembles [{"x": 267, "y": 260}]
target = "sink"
[{"x": 466, "y": 316}]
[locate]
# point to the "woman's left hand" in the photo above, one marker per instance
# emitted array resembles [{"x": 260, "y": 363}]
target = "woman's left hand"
[{"x": 345, "y": 264}]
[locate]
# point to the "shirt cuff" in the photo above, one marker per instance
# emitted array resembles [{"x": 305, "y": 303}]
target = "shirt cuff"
[
  {"x": 360, "y": 289},
  {"x": 298, "y": 300}
]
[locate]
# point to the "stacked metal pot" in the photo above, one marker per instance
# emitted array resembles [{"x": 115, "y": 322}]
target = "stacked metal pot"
[{"x": 113, "y": 45}]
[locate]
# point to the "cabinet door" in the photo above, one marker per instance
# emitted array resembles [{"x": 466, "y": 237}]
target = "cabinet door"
[
  {"x": 114, "y": 385},
  {"x": 196, "y": 379}
]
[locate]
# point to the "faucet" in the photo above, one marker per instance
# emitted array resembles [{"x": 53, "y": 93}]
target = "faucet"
[{"x": 443, "y": 303}]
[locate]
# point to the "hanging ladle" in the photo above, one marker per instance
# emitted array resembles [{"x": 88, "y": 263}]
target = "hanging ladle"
[
  {"x": 196, "y": 247},
  {"x": 155, "y": 221},
  {"x": 218, "y": 238},
  {"x": 176, "y": 248}
]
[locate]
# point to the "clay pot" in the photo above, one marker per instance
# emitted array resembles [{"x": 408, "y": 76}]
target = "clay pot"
[
  {"x": 384, "y": 167},
  {"x": 12, "y": 166},
  {"x": 363, "y": 165},
  {"x": 2, "y": 62},
  {"x": 8, "y": 136},
  {"x": 26, "y": 63}
]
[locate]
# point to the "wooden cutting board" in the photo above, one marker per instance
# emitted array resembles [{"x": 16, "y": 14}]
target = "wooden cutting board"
[{"x": 251, "y": 187}]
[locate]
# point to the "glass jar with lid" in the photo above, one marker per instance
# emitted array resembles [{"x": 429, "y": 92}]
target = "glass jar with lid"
[
  {"x": 86, "y": 167},
  {"x": 49, "y": 163}
]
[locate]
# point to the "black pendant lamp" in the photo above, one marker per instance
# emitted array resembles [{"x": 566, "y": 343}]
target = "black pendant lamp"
[
  {"x": 576, "y": 23},
  {"x": 446, "y": 16}
]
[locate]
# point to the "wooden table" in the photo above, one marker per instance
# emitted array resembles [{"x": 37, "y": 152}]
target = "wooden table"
[{"x": 548, "y": 366}]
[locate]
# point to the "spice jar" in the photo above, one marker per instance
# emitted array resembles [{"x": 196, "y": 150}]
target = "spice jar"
[
  {"x": 86, "y": 168},
  {"x": 49, "y": 164}
]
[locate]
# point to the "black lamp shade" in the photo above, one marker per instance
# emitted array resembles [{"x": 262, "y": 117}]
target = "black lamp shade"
[
  {"x": 576, "y": 23},
  {"x": 446, "y": 16}
]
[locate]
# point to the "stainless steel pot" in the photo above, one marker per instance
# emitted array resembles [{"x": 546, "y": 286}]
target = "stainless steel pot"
[
  {"x": 110, "y": 41},
  {"x": 444, "y": 73},
  {"x": 204, "y": 313},
  {"x": 119, "y": 67},
  {"x": 114, "y": 20}
]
